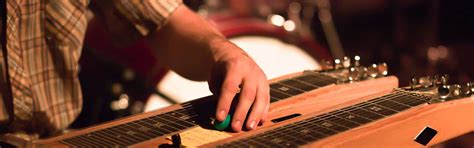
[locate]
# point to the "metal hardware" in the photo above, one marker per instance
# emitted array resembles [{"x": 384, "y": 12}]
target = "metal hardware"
[
  {"x": 346, "y": 62},
  {"x": 356, "y": 61},
  {"x": 337, "y": 64},
  {"x": 372, "y": 71},
  {"x": 413, "y": 83},
  {"x": 425, "y": 81},
  {"x": 383, "y": 69}
]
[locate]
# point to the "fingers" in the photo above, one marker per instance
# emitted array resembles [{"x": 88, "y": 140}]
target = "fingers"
[
  {"x": 260, "y": 106},
  {"x": 229, "y": 88},
  {"x": 246, "y": 99},
  {"x": 265, "y": 113},
  {"x": 254, "y": 93}
]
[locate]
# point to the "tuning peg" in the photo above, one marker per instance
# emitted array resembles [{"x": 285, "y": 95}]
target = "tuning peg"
[
  {"x": 466, "y": 89},
  {"x": 337, "y": 64},
  {"x": 326, "y": 64},
  {"x": 456, "y": 90},
  {"x": 444, "y": 91},
  {"x": 425, "y": 81},
  {"x": 444, "y": 79},
  {"x": 346, "y": 62},
  {"x": 362, "y": 71},
  {"x": 372, "y": 71},
  {"x": 354, "y": 74},
  {"x": 356, "y": 60},
  {"x": 382, "y": 69},
  {"x": 471, "y": 85},
  {"x": 413, "y": 83}
]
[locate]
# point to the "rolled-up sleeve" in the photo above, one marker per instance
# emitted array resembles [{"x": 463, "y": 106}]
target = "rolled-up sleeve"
[
  {"x": 128, "y": 20},
  {"x": 147, "y": 15}
]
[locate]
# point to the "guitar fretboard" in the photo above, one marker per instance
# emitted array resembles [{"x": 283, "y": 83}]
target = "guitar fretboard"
[
  {"x": 171, "y": 122},
  {"x": 298, "y": 85},
  {"x": 137, "y": 131},
  {"x": 328, "y": 124}
]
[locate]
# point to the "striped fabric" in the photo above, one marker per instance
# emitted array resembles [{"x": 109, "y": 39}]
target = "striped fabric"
[{"x": 44, "y": 41}]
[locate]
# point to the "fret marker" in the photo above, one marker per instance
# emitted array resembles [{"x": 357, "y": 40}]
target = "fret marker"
[
  {"x": 184, "y": 117},
  {"x": 276, "y": 140},
  {"x": 350, "y": 116},
  {"x": 158, "y": 124},
  {"x": 305, "y": 131},
  {"x": 326, "y": 124},
  {"x": 284, "y": 88},
  {"x": 375, "y": 108},
  {"x": 425, "y": 135}
]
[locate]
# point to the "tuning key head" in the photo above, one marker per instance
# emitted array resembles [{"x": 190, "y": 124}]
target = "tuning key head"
[
  {"x": 356, "y": 60},
  {"x": 372, "y": 71},
  {"x": 362, "y": 71},
  {"x": 337, "y": 64},
  {"x": 354, "y": 74},
  {"x": 471, "y": 85},
  {"x": 456, "y": 90},
  {"x": 425, "y": 81},
  {"x": 467, "y": 89},
  {"x": 444, "y": 91},
  {"x": 346, "y": 62},
  {"x": 413, "y": 82},
  {"x": 326, "y": 64},
  {"x": 444, "y": 79},
  {"x": 382, "y": 69}
]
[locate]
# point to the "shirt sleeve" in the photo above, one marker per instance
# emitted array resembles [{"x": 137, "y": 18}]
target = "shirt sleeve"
[
  {"x": 128, "y": 20},
  {"x": 146, "y": 15}
]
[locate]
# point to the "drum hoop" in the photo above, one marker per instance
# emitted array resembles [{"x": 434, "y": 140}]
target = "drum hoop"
[{"x": 235, "y": 26}]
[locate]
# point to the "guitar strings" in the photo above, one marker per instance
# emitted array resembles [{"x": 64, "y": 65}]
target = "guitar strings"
[{"x": 390, "y": 97}]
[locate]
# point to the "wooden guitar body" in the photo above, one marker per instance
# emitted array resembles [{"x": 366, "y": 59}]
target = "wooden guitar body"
[
  {"x": 449, "y": 119},
  {"x": 198, "y": 128}
]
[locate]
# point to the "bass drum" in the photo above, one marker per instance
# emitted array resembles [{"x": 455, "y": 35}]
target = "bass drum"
[{"x": 277, "y": 51}]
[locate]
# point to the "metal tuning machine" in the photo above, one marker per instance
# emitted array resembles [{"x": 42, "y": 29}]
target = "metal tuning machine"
[
  {"x": 326, "y": 64},
  {"x": 372, "y": 71},
  {"x": 356, "y": 71},
  {"x": 383, "y": 69},
  {"x": 350, "y": 70},
  {"x": 413, "y": 83},
  {"x": 338, "y": 64},
  {"x": 425, "y": 81},
  {"x": 439, "y": 89},
  {"x": 467, "y": 89},
  {"x": 346, "y": 62},
  {"x": 356, "y": 61}
]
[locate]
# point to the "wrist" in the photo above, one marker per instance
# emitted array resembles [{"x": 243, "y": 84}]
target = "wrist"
[{"x": 222, "y": 49}]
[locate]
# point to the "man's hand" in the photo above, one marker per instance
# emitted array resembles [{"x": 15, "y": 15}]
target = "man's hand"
[
  {"x": 236, "y": 72},
  {"x": 194, "y": 49}
]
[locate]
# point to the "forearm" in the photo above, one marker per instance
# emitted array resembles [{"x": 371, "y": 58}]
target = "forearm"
[
  {"x": 187, "y": 44},
  {"x": 194, "y": 49}
]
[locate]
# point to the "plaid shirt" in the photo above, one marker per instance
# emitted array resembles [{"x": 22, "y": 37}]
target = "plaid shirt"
[{"x": 44, "y": 41}]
